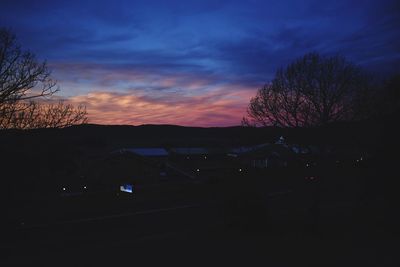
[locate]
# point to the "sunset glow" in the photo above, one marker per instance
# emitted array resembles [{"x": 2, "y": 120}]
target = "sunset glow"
[
  {"x": 193, "y": 63},
  {"x": 206, "y": 110}
]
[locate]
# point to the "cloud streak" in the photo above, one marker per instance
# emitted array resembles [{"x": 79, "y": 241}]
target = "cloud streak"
[
  {"x": 129, "y": 94},
  {"x": 217, "y": 108},
  {"x": 192, "y": 62}
]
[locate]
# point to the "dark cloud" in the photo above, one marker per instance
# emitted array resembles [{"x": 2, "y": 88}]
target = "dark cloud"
[
  {"x": 262, "y": 35},
  {"x": 186, "y": 48}
]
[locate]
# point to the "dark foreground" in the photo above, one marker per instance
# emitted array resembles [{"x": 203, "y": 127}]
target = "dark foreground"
[
  {"x": 212, "y": 246},
  {"x": 195, "y": 230},
  {"x": 344, "y": 217}
]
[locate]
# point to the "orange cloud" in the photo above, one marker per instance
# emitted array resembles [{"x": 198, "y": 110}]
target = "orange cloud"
[
  {"x": 219, "y": 107},
  {"x": 133, "y": 95}
]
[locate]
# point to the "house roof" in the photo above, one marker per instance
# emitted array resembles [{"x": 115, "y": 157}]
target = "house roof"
[
  {"x": 247, "y": 149},
  {"x": 148, "y": 152},
  {"x": 190, "y": 150},
  {"x": 267, "y": 149}
]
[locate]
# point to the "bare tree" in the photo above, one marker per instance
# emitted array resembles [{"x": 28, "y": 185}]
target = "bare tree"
[
  {"x": 24, "y": 79},
  {"x": 34, "y": 115},
  {"x": 313, "y": 90}
]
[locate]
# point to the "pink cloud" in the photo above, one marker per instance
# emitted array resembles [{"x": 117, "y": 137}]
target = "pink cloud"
[
  {"x": 217, "y": 108},
  {"x": 138, "y": 96}
]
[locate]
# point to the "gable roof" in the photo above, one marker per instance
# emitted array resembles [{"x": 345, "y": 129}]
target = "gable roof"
[
  {"x": 247, "y": 149},
  {"x": 148, "y": 151},
  {"x": 190, "y": 150},
  {"x": 263, "y": 150}
]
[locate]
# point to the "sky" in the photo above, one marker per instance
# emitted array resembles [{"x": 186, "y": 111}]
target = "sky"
[{"x": 192, "y": 63}]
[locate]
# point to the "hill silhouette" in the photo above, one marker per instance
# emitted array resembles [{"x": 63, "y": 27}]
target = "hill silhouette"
[{"x": 94, "y": 135}]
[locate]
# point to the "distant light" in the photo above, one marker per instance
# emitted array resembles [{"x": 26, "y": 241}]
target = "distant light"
[
  {"x": 84, "y": 187},
  {"x": 198, "y": 170},
  {"x": 240, "y": 170},
  {"x": 63, "y": 189},
  {"x": 361, "y": 158},
  {"x": 129, "y": 188},
  {"x": 205, "y": 157},
  {"x": 307, "y": 165}
]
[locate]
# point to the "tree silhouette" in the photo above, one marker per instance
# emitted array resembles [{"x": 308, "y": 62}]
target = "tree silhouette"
[
  {"x": 313, "y": 90},
  {"x": 24, "y": 79},
  {"x": 35, "y": 115}
]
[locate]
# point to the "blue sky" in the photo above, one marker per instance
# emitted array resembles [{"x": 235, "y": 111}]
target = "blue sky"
[{"x": 192, "y": 62}]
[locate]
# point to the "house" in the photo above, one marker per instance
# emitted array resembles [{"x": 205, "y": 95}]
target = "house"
[
  {"x": 189, "y": 152},
  {"x": 200, "y": 160},
  {"x": 264, "y": 155},
  {"x": 148, "y": 152},
  {"x": 271, "y": 156},
  {"x": 234, "y": 152}
]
